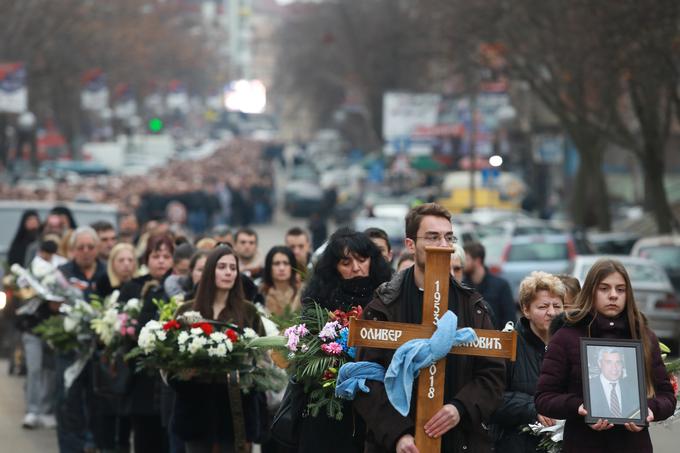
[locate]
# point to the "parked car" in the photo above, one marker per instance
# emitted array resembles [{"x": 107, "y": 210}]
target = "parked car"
[
  {"x": 612, "y": 243},
  {"x": 653, "y": 291},
  {"x": 665, "y": 251},
  {"x": 522, "y": 255}
]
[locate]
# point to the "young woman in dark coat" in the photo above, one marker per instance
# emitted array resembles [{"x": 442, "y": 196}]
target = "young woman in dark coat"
[
  {"x": 541, "y": 298},
  {"x": 202, "y": 412},
  {"x": 148, "y": 432},
  {"x": 606, "y": 308},
  {"x": 346, "y": 275}
]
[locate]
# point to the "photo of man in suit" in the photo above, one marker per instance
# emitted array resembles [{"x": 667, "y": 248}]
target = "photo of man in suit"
[{"x": 612, "y": 393}]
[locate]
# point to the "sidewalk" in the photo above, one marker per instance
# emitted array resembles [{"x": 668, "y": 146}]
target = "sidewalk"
[{"x": 12, "y": 436}]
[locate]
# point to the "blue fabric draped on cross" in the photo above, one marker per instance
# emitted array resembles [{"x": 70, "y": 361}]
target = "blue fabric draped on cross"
[{"x": 406, "y": 363}]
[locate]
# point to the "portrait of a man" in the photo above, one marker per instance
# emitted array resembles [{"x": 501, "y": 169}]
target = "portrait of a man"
[{"x": 613, "y": 390}]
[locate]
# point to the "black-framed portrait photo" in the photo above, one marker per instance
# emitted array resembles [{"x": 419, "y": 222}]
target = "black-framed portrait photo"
[{"x": 614, "y": 386}]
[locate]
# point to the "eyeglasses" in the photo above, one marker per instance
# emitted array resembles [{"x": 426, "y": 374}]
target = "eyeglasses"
[
  {"x": 436, "y": 238},
  {"x": 80, "y": 248}
]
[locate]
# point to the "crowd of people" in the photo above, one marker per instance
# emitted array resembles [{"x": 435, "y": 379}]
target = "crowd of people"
[
  {"x": 226, "y": 277},
  {"x": 197, "y": 196}
]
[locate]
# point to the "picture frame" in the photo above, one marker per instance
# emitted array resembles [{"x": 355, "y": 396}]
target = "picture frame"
[{"x": 614, "y": 382}]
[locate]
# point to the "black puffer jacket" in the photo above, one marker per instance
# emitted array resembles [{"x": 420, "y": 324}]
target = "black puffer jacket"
[{"x": 518, "y": 407}]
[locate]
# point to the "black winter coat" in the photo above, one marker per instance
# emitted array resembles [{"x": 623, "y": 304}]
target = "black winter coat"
[
  {"x": 145, "y": 394},
  {"x": 202, "y": 410},
  {"x": 518, "y": 407}
]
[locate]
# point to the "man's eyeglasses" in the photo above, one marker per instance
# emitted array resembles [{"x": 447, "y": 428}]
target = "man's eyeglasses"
[
  {"x": 81, "y": 248},
  {"x": 436, "y": 238}
]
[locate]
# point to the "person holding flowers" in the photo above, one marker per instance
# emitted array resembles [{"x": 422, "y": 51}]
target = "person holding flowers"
[
  {"x": 202, "y": 417},
  {"x": 148, "y": 432},
  {"x": 541, "y": 299},
  {"x": 605, "y": 308},
  {"x": 346, "y": 275}
]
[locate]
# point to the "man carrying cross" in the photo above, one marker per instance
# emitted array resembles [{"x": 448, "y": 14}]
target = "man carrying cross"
[{"x": 473, "y": 385}]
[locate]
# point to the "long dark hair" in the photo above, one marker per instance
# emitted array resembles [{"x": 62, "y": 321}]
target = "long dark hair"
[
  {"x": 22, "y": 238},
  {"x": 206, "y": 291},
  {"x": 585, "y": 305},
  {"x": 326, "y": 278},
  {"x": 268, "y": 278}
]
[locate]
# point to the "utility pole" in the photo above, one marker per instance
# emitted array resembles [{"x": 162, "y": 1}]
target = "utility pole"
[{"x": 473, "y": 149}]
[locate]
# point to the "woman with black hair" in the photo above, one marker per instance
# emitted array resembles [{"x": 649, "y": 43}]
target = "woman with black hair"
[
  {"x": 27, "y": 233},
  {"x": 279, "y": 285},
  {"x": 346, "y": 275},
  {"x": 202, "y": 415}
]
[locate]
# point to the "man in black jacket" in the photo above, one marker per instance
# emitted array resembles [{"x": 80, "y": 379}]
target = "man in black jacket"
[
  {"x": 473, "y": 386},
  {"x": 495, "y": 290}
]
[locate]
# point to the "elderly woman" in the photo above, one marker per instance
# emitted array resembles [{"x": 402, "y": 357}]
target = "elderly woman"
[{"x": 541, "y": 298}]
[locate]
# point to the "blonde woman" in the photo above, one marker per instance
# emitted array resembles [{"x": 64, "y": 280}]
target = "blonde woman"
[{"x": 120, "y": 268}]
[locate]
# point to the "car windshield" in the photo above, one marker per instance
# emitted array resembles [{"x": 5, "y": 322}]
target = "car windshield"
[
  {"x": 555, "y": 251},
  {"x": 638, "y": 273},
  {"x": 667, "y": 256}
]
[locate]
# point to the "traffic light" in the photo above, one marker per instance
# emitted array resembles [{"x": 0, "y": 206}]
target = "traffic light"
[{"x": 155, "y": 125}]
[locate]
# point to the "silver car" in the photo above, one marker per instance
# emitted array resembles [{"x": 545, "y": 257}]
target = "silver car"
[{"x": 653, "y": 291}]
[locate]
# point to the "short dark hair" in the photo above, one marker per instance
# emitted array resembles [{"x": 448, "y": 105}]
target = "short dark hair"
[
  {"x": 475, "y": 250},
  {"x": 183, "y": 251},
  {"x": 102, "y": 225},
  {"x": 415, "y": 217},
  {"x": 247, "y": 231},
  {"x": 378, "y": 233},
  {"x": 297, "y": 231},
  {"x": 155, "y": 243}
]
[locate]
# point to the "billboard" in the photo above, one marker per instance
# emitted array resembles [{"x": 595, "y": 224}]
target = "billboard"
[{"x": 405, "y": 115}]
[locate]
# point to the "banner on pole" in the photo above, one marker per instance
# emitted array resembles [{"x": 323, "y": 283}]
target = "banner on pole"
[
  {"x": 13, "y": 91},
  {"x": 95, "y": 92}
]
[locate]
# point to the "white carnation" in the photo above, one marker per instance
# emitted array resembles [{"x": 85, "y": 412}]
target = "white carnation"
[
  {"x": 114, "y": 297},
  {"x": 196, "y": 331},
  {"x": 161, "y": 335},
  {"x": 229, "y": 345},
  {"x": 182, "y": 338},
  {"x": 218, "y": 351},
  {"x": 192, "y": 316},
  {"x": 218, "y": 337},
  {"x": 197, "y": 344},
  {"x": 249, "y": 333}
]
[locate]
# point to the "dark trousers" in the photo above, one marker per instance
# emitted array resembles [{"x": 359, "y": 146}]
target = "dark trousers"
[
  {"x": 148, "y": 434},
  {"x": 72, "y": 409}
]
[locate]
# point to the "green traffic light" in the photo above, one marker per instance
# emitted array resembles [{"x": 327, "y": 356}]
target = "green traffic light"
[{"x": 156, "y": 124}]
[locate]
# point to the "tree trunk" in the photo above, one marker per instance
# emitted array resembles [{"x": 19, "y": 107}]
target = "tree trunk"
[
  {"x": 590, "y": 200},
  {"x": 655, "y": 192}
]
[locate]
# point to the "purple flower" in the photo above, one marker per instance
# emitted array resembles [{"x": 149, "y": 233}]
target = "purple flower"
[{"x": 329, "y": 331}]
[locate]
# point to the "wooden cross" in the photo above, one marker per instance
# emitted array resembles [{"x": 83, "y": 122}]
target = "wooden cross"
[{"x": 391, "y": 335}]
